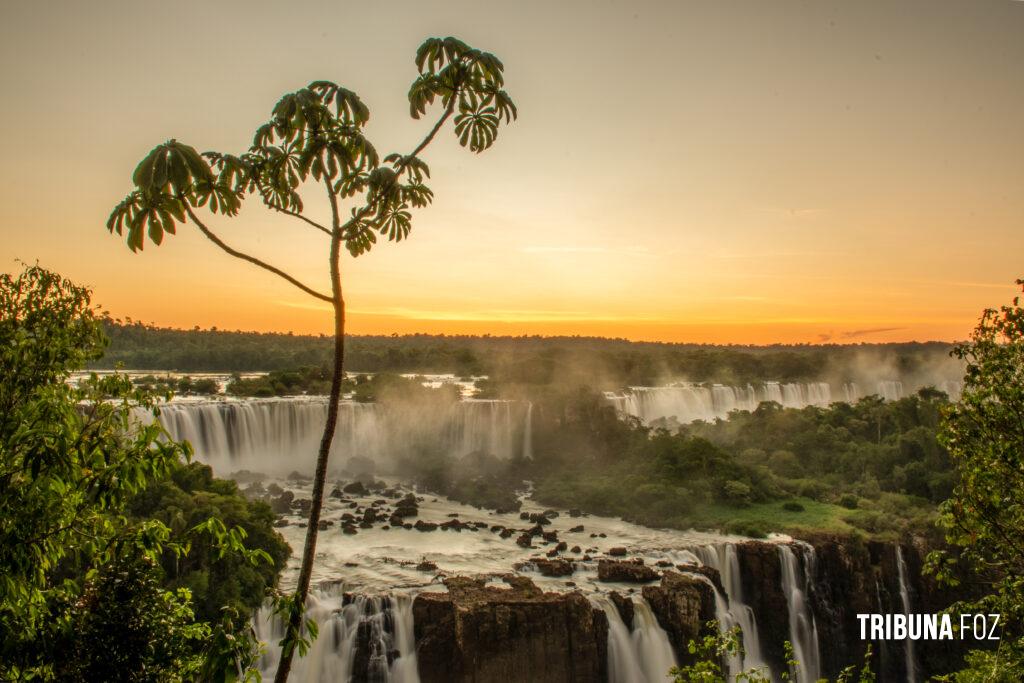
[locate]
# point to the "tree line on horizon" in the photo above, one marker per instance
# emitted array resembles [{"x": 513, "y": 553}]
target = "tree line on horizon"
[{"x": 529, "y": 359}]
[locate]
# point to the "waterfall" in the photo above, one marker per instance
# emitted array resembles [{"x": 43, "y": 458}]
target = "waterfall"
[
  {"x": 528, "y": 433},
  {"x": 277, "y": 436},
  {"x": 730, "y": 610},
  {"x": 643, "y": 655},
  {"x": 366, "y": 637},
  {"x": 911, "y": 661},
  {"x": 803, "y": 630}
]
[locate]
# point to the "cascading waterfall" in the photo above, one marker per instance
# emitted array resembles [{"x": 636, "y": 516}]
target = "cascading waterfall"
[
  {"x": 367, "y": 637},
  {"x": 803, "y": 631},
  {"x": 911, "y": 661},
  {"x": 730, "y": 610},
  {"x": 643, "y": 655},
  {"x": 687, "y": 401},
  {"x": 277, "y": 436}
]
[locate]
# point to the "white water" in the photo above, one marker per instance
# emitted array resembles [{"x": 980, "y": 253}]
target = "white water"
[
  {"x": 911, "y": 661},
  {"x": 388, "y": 620},
  {"x": 277, "y": 436},
  {"x": 687, "y": 401},
  {"x": 643, "y": 655},
  {"x": 732, "y": 610},
  {"x": 803, "y": 631}
]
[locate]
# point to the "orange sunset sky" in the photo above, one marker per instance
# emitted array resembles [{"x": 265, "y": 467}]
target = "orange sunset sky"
[{"x": 718, "y": 171}]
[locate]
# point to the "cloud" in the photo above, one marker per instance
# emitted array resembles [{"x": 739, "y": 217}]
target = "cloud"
[{"x": 853, "y": 334}]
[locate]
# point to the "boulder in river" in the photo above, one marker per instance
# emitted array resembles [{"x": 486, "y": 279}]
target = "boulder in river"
[{"x": 623, "y": 571}]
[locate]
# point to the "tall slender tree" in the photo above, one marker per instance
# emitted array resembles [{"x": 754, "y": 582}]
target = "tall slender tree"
[{"x": 315, "y": 139}]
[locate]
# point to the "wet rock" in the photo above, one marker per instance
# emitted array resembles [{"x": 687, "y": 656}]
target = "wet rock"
[
  {"x": 299, "y": 476},
  {"x": 550, "y": 536},
  {"x": 336, "y": 493},
  {"x": 576, "y": 529},
  {"x": 562, "y": 545},
  {"x": 247, "y": 477},
  {"x": 274, "y": 489},
  {"x": 365, "y": 525},
  {"x": 356, "y": 488},
  {"x": 664, "y": 564},
  {"x": 575, "y": 512},
  {"x": 426, "y": 566},
  {"x": 624, "y": 606},
  {"x": 324, "y": 524},
  {"x": 617, "y": 551},
  {"x": 525, "y": 541},
  {"x": 452, "y": 525},
  {"x": 524, "y": 515},
  {"x": 553, "y": 552},
  {"x": 496, "y": 528},
  {"x": 349, "y": 529},
  {"x": 254, "y": 491},
  {"x": 576, "y": 549},
  {"x": 549, "y": 567},
  {"x": 282, "y": 504},
  {"x": 480, "y": 634},
  {"x": 551, "y": 514},
  {"x": 506, "y": 533},
  {"x": 683, "y": 606},
  {"x": 420, "y": 525},
  {"x": 281, "y": 522},
  {"x": 625, "y": 572},
  {"x": 602, "y": 535}
]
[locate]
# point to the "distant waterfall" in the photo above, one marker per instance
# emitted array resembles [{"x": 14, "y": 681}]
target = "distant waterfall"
[
  {"x": 528, "y": 433},
  {"x": 687, "y": 401},
  {"x": 911, "y": 661},
  {"x": 803, "y": 631},
  {"x": 277, "y": 436},
  {"x": 640, "y": 655},
  {"x": 367, "y": 638},
  {"x": 731, "y": 610}
]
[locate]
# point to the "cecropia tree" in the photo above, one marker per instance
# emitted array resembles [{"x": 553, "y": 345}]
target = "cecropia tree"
[{"x": 314, "y": 142}]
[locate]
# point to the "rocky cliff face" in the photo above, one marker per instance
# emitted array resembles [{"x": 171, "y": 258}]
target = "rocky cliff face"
[
  {"x": 480, "y": 634},
  {"x": 682, "y": 605}
]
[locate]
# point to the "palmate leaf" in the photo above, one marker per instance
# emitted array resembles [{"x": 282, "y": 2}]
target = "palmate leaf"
[
  {"x": 396, "y": 222},
  {"x": 477, "y": 129},
  {"x": 347, "y": 105},
  {"x": 359, "y": 238}
]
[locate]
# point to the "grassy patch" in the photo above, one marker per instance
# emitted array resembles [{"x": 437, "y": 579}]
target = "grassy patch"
[{"x": 773, "y": 516}]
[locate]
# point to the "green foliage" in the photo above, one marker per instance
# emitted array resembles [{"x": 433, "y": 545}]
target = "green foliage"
[
  {"x": 235, "y": 555},
  {"x": 710, "y": 652},
  {"x": 984, "y": 517},
  {"x": 72, "y": 461}
]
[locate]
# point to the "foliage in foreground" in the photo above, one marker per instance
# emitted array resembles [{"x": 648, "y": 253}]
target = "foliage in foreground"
[
  {"x": 712, "y": 651},
  {"x": 984, "y": 517},
  {"x": 81, "y": 592}
]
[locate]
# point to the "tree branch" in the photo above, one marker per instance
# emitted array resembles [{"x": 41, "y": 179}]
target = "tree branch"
[
  {"x": 298, "y": 215},
  {"x": 251, "y": 259}
]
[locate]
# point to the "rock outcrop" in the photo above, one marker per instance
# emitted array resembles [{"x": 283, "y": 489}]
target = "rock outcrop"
[
  {"x": 480, "y": 634},
  {"x": 683, "y": 605}
]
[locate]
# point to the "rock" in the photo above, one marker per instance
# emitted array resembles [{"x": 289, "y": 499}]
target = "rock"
[
  {"x": 480, "y": 634},
  {"x": 562, "y": 545},
  {"x": 576, "y": 529},
  {"x": 524, "y": 515},
  {"x": 496, "y": 528},
  {"x": 336, "y": 493},
  {"x": 576, "y": 549},
  {"x": 618, "y": 551},
  {"x": 426, "y": 566},
  {"x": 664, "y": 564},
  {"x": 323, "y": 524},
  {"x": 624, "y": 606},
  {"x": 602, "y": 535},
  {"x": 349, "y": 529},
  {"x": 575, "y": 512},
  {"x": 356, "y": 488},
  {"x": 365, "y": 525},
  {"x": 551, "y": 514},
  {"x": 420, "y": 525},
  {"x": 247, "y": 477},
  {"x": 553, "y": 552},
  {"x": 683, "y": 606},
  {"x": 525, "y": 541},
  {"x": 506, "y": 533},
  {"x": 626, "y": 572},
  {"x": 550, "y": 536},
  {"x": 404, "y": 509},
  {"x": 549, "y": 567},
  {"x": 452, "y": 525},
  {"x": 299, "y": 476},
  {"x": 281, "y": 522},
  {"x": 282, "y": 505},
  {"x": 371, "y": 515},
  {"x": 274, "y": 489}
]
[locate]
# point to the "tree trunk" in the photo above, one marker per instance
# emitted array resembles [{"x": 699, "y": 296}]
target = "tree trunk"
[{"x": 309, "y": 551}]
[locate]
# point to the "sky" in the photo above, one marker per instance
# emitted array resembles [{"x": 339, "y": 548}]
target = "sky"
[{"x": 724, "y": 171}]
